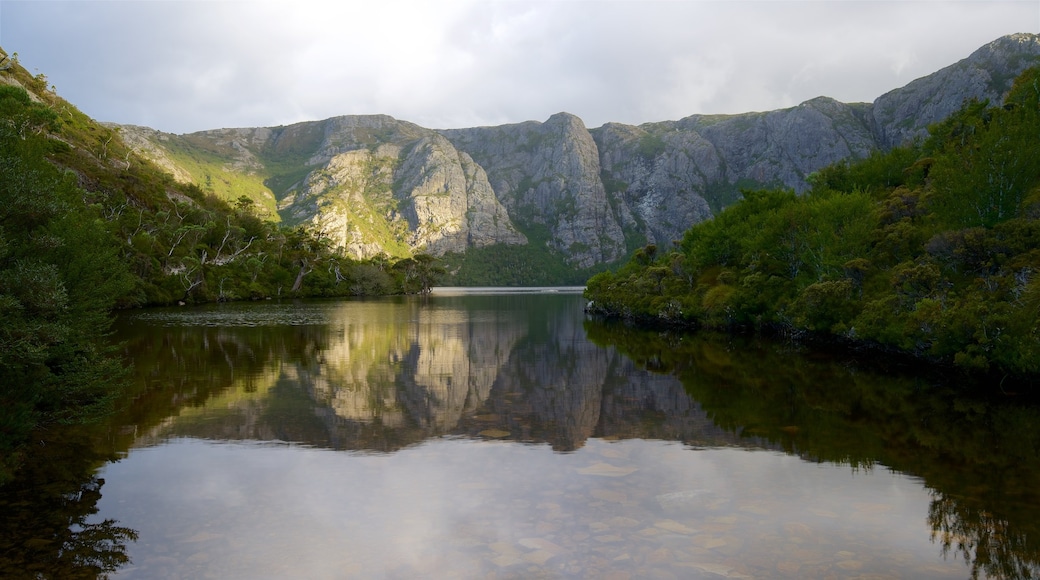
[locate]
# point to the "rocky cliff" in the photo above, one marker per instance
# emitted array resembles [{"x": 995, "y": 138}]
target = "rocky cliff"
[
  {"x": 372, "y": 183},
  {"x": 379, "y": 185},
  {"x": 548, "y": 175}
]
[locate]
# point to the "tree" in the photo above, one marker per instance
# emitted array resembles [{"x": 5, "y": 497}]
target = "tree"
[
  {"x": 988, "y": 162},
  {"x": 60, "y": 275},
  {"x": 418, "y": 274},
  {"x": 932, "y": 249},
  {"x": 24, "y": 116}
]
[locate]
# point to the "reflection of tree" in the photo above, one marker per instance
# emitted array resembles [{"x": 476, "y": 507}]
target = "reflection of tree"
[
  {"x": 994, "y": 546},
  {"x": 980, "y": 458},
  {"x": 644, "y": 405},
  {"x": 45, "y": 531}
]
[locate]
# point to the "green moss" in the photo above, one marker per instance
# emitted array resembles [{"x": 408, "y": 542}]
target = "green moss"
[
  {"x": 209, "y": 166},
  {"x": 650, "y": 146}
]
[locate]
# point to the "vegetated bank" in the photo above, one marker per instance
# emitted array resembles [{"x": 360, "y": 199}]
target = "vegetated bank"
[
  {"x": 87, "y": 226},
  {"x": 931, "y": 249}
]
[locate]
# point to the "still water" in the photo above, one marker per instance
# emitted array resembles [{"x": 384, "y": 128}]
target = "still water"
[{"x": 491, "y": 434}]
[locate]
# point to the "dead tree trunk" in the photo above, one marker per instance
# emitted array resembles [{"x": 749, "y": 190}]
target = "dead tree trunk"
[{"x": 304, "y": 270}]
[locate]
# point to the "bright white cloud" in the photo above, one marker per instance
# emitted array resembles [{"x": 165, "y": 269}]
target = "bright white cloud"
[{"x": 190, "y": 65}]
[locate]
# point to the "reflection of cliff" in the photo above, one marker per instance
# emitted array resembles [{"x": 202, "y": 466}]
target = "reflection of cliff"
[
  {"x": 452, "y": 367},
  {"x": 378, "y": 375},
  {"x": 564, "y": 397},
  {"x": 645, "y": 405},
  {"x": 353, "y": 376},
  {"x": 381, "y": 375},
  {"x": 557, "y": 383},
  {"x": 559, "y": 387},
  {"x": 407, "y": 367}
]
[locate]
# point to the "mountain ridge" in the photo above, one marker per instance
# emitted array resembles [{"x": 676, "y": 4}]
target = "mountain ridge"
[{"x": 588, "y": 197}]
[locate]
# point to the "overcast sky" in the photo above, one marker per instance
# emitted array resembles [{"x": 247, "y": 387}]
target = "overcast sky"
[{"x": 183, "y": 66}]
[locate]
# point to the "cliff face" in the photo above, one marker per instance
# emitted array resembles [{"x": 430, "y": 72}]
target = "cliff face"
[
  {"x": 548, "y": 175},
  {"x": 373, "y": 184},
  {"x": 671, "y": 175},
  {"x": 379, "y": 185}
]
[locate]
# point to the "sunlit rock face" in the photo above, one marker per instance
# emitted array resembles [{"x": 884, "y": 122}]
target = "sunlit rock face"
[
  {"x": 451, "y": 204},
  {"x": 548, "y": 174},
  {"x": 385, "y": 186},
  {"x": 150, "y": 143},
  {"x": 350, "y": 200}
]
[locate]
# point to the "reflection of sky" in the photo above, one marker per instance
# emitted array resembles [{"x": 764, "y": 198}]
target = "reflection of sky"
[{"x": 464, "y": 508}]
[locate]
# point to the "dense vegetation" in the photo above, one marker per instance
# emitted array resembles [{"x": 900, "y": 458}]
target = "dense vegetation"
[
  {"x": 87, "y": 226},
  {"x": 931, "y": 249},
  {"x": 59, "y": 275},
  {"x": 531, "y": 264}
]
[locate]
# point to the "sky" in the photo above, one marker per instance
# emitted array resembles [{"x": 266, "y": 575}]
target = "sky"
[{"x": 188, "y": 65}]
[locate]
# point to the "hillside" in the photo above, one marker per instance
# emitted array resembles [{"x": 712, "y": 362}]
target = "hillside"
[
  {"x": 179, "y": 240},
  {"x": 930, "y": 249},
  {"x": 552, "y": 201},
  {"x": 88, "y": 226}
]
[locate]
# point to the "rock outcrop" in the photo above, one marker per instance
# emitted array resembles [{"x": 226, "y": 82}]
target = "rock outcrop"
[{"x": 387, "y": 186}]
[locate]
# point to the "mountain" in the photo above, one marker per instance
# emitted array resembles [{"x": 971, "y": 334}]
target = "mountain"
[{"x": 585, "y": 197}]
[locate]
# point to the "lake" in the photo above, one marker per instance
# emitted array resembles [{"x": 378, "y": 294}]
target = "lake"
[{"x": 487, "y": 433}]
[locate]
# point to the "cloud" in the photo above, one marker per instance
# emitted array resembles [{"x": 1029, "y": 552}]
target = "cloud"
[{"x": 184, "y": 66}]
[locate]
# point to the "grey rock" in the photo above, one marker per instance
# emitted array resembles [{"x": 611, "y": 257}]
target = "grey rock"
[{"x": 548, "y": 174}]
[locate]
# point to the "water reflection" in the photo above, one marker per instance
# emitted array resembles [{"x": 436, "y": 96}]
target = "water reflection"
[
  {"x": 385, "y": 375},
  {"x": 46, "y": 528},
  {"x": 979, "y": 459},
  {"x": 676, "y": 455},
  {"x": 382, "y": 375}
]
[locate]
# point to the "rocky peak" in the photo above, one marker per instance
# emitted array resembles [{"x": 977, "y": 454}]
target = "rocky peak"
[
  {"x": 380, "y": 185},
  {"x": 904, "y": 114}
]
